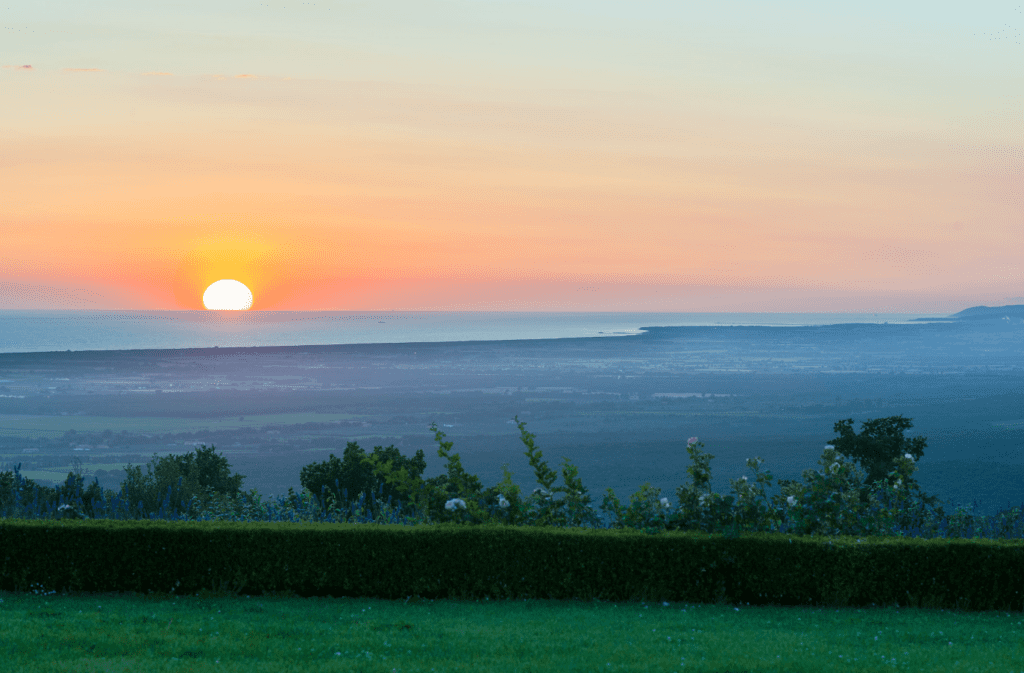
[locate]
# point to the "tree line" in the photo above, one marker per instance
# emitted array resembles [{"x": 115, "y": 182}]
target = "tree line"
[{"x": 201, "y": 478}]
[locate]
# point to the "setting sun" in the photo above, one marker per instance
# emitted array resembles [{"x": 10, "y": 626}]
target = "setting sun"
[{"x": 227, "y": 295}]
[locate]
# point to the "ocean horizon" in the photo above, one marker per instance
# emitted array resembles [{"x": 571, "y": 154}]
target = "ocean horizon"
[{"x": 39, "y": 331}]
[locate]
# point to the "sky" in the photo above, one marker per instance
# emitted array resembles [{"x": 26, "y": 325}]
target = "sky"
[{"x": 560, "y": 155}]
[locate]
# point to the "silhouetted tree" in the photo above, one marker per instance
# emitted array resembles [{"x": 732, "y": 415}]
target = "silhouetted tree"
[
  {"x": 201, "y": 475},
  {"x": 357, "y": 475},
  {"x": 876, "y": 448}
]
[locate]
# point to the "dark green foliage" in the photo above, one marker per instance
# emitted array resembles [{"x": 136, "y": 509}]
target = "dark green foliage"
[
  {"x": 431, "y": 495},
  {"x": 72, "y": 488},
  {"x": 211, "y": 470},
  {"x": 203, "y": 480},
  {"x": 577, "y": 499},
  {"x": 202, "y": 475},
  {"x": 879, "y": 444},
  {"x": 457, "y": 480},
  {"x": 27, "y": 490},
  {"x": 356, "y": 474}
]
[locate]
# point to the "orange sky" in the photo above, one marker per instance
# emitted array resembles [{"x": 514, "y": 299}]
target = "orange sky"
[{"x": 612, "y": 167}]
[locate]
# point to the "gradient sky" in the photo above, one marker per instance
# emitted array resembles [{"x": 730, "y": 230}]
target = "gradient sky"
[{"x": 492, "y": 155}]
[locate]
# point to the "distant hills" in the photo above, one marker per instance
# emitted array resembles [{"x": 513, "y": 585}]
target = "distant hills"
[
  {"x": 990, "y": 312},
  {"x": 988, "y": 316}
]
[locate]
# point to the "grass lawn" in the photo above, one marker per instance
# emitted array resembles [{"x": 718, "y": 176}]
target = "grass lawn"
[{"x": 133, "y": 633}]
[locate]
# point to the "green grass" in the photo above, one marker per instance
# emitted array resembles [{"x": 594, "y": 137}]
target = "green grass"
[
  {"x": 102, "y": 632},
  {"x": 136, "y": 633}
]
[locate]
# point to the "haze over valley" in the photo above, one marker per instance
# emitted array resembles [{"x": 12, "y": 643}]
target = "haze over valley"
[{"x": 619, "y": 408}]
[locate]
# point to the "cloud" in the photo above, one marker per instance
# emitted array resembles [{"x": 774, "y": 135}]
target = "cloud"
[
  {"x": 83, "y": 70},
  {"x": 245, "y": 76},
  {"x": 162, "y": 74},
  {"x": 18, "y": 67}
]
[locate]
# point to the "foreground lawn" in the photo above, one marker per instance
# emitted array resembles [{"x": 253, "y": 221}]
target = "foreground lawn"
[{"x": 133, "y": 634}]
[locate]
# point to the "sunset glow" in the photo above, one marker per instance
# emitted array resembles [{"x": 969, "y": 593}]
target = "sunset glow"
[{"x": 412, "y": 155}]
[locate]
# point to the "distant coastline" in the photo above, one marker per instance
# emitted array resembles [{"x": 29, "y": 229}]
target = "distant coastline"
[
  {"x": 1011, "y": 312},
  {"x": 76, "y": 331}
]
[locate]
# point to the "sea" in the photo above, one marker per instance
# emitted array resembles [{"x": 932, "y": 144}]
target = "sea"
[{"x": 35, "y": 331}]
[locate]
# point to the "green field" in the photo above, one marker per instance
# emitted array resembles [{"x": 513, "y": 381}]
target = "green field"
[
  {"x": 59, "y": 474},
  {"x": 131, "y": 633}
]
